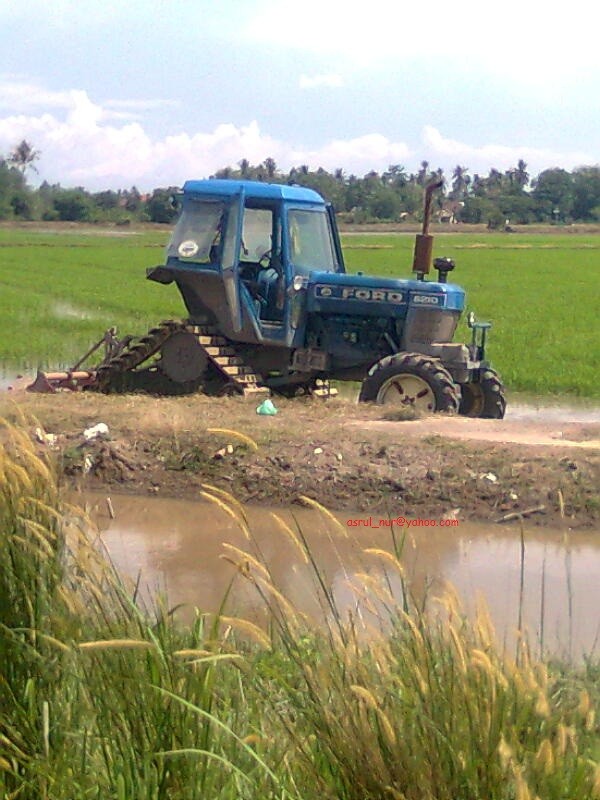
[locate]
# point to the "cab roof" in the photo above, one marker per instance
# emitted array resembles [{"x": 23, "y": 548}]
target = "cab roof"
[{"x": 257, "y": 189}]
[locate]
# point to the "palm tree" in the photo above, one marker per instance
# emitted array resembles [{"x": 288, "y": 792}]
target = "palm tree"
[
  {"x": 493, "y": 182},
  {"x": 244, "y": 166},
  {"x": 460, "y": 182},
  {"x": 423, "y": 173},
  {"x": 270, "y": 166},
  {"x": 396, "y": 175},
  {"x": 521, "y": 174},
  {"x": 23, "y": 156}
]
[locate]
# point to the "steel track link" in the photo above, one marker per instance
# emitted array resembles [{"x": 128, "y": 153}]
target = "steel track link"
[{"x": 135, "y": 354}]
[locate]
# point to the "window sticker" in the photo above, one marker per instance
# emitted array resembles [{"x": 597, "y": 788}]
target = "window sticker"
[{"x": 188, "y": 248}]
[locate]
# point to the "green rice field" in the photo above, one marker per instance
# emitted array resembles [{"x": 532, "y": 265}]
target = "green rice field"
[{"x": 59, "y": 291}]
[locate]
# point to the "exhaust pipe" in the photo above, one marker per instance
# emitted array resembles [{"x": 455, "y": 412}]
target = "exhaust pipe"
[{"x": 423, "y": 241}]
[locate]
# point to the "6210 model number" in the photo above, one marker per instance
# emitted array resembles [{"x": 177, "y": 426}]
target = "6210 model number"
[{"x": 428, "y": 299}]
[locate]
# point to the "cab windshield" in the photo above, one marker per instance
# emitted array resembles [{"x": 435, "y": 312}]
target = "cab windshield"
[
  {"x": 311, "y": 242},
  {"x": 197, "y": 235}
]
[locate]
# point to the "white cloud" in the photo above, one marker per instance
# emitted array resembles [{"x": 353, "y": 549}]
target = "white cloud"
[
  {"x": 358, "y": 155},
  {"x": 330, "y": 80},
  {"x": 520, "y": 40},
  {"x": 450, "y": 152},
  {"x": 86, "y": 143},
  {"x": 19, "y": 95},
  {"x": 142, "y": 104}
]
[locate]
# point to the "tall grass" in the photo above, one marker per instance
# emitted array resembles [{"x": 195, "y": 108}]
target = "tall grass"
[
  {"x": 103, "y": 698},
  {"x": 100, "y": 697}
]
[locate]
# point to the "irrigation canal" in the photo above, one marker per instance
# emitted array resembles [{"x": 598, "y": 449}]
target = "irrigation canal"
[{"x": 545, "y": 580}]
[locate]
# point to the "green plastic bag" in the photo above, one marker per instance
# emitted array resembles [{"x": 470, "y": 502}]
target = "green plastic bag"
[{"x": 266, "y": 408}]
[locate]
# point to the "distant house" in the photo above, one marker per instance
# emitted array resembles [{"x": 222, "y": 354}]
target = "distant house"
[{"x": 450, "y": 211}]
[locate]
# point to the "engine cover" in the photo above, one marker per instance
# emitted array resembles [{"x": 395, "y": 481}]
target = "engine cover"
[{"x": 364, "y": 295}]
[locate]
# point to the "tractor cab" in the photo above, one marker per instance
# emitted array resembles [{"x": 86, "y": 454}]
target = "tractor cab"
[{"x": 237, "y": 248}]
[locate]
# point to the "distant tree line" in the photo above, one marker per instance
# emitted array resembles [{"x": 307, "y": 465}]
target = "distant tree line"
[{"x": 496, "y": 199}]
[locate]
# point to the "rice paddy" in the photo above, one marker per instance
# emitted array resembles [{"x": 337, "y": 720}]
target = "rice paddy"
[{"x": 61, "y": 291}]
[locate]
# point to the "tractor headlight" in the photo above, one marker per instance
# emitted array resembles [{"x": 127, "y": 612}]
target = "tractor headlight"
[{"x": 299, "y": 282}]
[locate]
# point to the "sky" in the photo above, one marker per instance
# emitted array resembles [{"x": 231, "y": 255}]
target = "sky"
[{"x": 152, "y": 92}]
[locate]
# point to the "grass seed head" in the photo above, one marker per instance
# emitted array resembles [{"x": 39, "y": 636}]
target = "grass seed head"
[
  {"x": 248, "y": 629},
  {"x": 596, "y": 782},
  {"x": 505, "y": 752},
  {"x": 229, "y": 511},
  {"x": 544, "y": 757},
  {"x": 282, "y": 524},
  {"x": 246, "y": 560},
  {"x": 365, "y": 695},
  {"x": 241, "y": 437},
  {"x": 542, "y": 707},
  {"x": 116, "y": 644},
  {"x": 326, "y": 513}
]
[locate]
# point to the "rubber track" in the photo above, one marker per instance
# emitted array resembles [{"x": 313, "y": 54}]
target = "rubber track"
[
  {"x": 136, "y": 353},
  {"x": 232, "y": 368}
]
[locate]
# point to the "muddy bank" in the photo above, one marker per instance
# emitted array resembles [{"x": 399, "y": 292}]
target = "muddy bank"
[{"x": 343, "y": 455}]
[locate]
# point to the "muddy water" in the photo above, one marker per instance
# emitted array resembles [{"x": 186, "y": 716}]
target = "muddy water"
[
  {"x": 549, "y": 581},
  {"x": 531, "y": 412},
  {"x": 9, "y": 380}
]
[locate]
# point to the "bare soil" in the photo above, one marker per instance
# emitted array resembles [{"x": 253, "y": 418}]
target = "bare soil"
[{"x": 350, "y": 457}]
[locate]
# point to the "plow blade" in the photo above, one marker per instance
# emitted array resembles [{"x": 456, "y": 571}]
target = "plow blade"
[{"x": 48, "y": 382}]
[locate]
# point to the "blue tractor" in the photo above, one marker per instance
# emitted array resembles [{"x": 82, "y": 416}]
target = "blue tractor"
[{"x": 271, "y": 308}]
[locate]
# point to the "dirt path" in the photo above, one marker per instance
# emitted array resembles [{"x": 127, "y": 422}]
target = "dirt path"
[
  {"x": 349, "y": 457},
  {"x": 558, "y": 433}
]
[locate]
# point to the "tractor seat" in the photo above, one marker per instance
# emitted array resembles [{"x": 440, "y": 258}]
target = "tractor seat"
[{"x": 268, "y": 288}]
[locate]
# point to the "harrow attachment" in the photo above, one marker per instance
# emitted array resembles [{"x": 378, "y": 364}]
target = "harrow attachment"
[
  {"x": 174, "y": 357},
  {"x": 76, "y": 378},
  {"x": 48, "y": 382}
]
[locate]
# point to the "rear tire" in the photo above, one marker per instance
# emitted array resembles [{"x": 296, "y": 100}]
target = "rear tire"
[
  {"x": 485, "y": 399},
  {"x": 411, "y": 380}
]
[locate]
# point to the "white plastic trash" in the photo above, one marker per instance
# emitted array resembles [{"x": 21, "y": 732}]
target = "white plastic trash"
[{"x": 101, "y": 429}]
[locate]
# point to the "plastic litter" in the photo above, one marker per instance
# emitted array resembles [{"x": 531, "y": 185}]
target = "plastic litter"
[
  {"x": 489, "y": 476},
  {"x": 224, "y": 451},
  {"x": 266, "y": 408},
  {"x": 101, "y": 429},
  {"x": 45, "y": 438}
]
